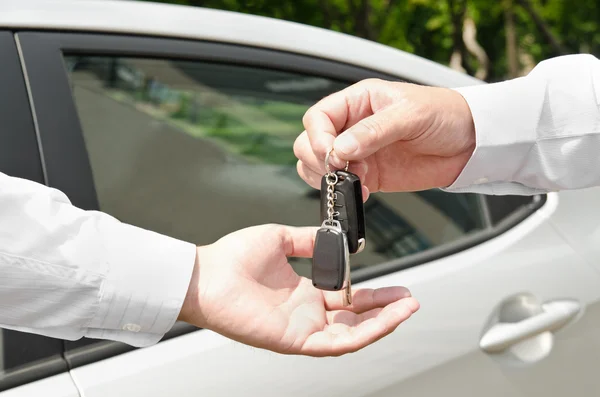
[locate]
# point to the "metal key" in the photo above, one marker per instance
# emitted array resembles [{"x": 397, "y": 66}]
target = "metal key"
[{"x": 349, "y": 208}]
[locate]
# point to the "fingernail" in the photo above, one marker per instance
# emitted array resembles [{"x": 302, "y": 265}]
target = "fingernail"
[{"x": 346, "y": 144}]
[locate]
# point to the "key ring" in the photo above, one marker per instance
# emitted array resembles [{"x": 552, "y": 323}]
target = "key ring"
[{"x": 327, "y": 162}]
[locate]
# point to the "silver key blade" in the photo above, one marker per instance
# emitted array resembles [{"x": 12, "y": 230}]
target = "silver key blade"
[
  {"x": 347, "y": 291},
  {"x": 347, "y": 298}
]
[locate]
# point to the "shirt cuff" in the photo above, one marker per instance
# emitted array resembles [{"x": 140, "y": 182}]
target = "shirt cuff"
[
  {"x": 505, "y": 116},
  {"x": 146, "y": 284}
]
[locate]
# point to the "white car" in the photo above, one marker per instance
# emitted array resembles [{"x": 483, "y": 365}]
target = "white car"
[{"x": 182, "y": 120}]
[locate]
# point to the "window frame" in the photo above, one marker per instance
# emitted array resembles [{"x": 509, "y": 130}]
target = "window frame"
[
  {"x": 20, "y": 157},
  {"x": 65, "y": 155}
]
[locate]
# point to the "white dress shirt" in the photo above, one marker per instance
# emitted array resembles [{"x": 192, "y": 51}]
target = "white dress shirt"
[
  {"x": 537, "y": 133},
  {"x": 69, "y": 273}
]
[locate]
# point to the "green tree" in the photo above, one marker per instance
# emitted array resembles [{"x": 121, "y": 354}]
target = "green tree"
[{"x": 493, "y": 40}]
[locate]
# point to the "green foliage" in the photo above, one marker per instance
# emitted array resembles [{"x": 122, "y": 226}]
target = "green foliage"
[{"x": 425, "y": 27}]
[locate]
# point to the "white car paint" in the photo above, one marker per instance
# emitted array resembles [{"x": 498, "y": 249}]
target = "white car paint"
[
  {"x": 546, "y": 257},
  {"x": 457, "y": 295},
  {"x": 61, "y": 385}
]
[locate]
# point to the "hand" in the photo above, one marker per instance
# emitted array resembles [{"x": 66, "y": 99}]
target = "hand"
[
  {"x": 244, "y": 288},
  {"x": 398, "y": 136}
]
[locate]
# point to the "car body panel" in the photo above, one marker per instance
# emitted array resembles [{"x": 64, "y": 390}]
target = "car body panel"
[
  {"x": 578, "y": 221},
  {"x": 435, "y": 351},
  {"x": 61, "y": 385}
]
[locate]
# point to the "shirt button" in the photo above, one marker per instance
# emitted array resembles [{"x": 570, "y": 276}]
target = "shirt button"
[
  {"x": 481, "y": 180},
  {"x": 132, "y": 327}
]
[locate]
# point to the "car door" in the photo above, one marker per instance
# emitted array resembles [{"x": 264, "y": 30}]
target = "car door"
[
  {"x": 28, "y": 363},
  {"x": 194, "y": 140}
]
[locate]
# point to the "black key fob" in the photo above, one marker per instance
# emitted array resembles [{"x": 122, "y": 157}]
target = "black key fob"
[
  {"x": 349, "y": 208},
  {"x": 330, "y": 258}
]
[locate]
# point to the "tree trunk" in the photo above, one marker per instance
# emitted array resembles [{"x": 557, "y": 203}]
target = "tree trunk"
[
  {"x": 543, "y": 27},
  {"x": 458, "y": 8},
  {"x": 326, "y": 10},
  {"x": 511, "y": 39},
  {"x": 456, "y": 62},
  {"x": 362, "y": 18},
  {"x": 470, "y": 40}
]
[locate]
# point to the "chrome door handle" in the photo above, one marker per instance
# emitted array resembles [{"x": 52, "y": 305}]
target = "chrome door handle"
[{"x": 554, "y": 315}]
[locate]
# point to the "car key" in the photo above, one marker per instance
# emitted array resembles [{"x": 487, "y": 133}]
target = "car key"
[
  {"x": 331, "y": 256},
  {"x": 349, "y": 208}
]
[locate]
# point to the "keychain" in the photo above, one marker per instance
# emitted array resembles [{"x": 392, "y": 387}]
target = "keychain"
[{"x": 342, "y": 231}]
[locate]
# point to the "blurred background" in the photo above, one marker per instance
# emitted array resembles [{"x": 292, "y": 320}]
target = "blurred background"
[{"x": 490, "y": 39}]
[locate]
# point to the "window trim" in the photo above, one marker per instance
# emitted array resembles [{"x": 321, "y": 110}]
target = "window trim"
[
  {"x": 21, "y": 139},
  {"x": 63, "y": 143}
]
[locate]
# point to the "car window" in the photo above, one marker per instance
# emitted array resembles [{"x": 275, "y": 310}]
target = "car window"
[{"x": 196, "y": 150}]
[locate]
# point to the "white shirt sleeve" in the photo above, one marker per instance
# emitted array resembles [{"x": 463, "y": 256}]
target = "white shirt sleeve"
[
  {"x": 537, "y": 133},
  {"x": 69, "y": 273}
]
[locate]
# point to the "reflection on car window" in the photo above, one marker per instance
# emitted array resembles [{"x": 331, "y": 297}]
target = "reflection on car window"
[{"x": 197, "y": 150}]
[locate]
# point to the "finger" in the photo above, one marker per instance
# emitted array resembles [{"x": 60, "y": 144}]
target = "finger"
[
  {"x": 298, "y": 241},
  {"x": 303, "y": 151},
  {"x": 313, "y": 178},
  {"x": 308, "y": 175},
  {"x": 366, "y": 299},
  {"x": 375, "y": 328},
  {"x": 311, "y": 169},
  {"x": 343, "y": 339},
  {"x": 360, "y": 168},
  {"x": 328, "y": 117},
  {"x": 394, "y": 123}
]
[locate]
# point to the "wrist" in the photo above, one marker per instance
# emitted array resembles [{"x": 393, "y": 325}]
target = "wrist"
[
  {"x": 190, "y": 309},
  {"x": 459, "y": 130},
  {"x": 465, "y": 124}
]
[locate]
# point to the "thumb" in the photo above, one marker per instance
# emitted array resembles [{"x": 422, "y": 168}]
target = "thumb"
[
  {"x": 375, "y": 132},
  {"x": 299, "y": 242}
]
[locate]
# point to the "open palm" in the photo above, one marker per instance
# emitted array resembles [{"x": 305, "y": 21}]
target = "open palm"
[{"x": 247, "y": 290}]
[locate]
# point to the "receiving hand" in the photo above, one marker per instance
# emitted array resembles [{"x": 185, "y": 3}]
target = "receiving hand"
[{"x": 243, "y": 287}]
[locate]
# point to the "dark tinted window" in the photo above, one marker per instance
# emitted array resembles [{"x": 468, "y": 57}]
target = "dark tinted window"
[
  {"x": 197, "y": 150},
  {"x": 501, "y": 207}
]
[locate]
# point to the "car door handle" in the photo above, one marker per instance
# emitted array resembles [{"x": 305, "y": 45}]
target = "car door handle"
[{"x": 554, "y": 315}]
